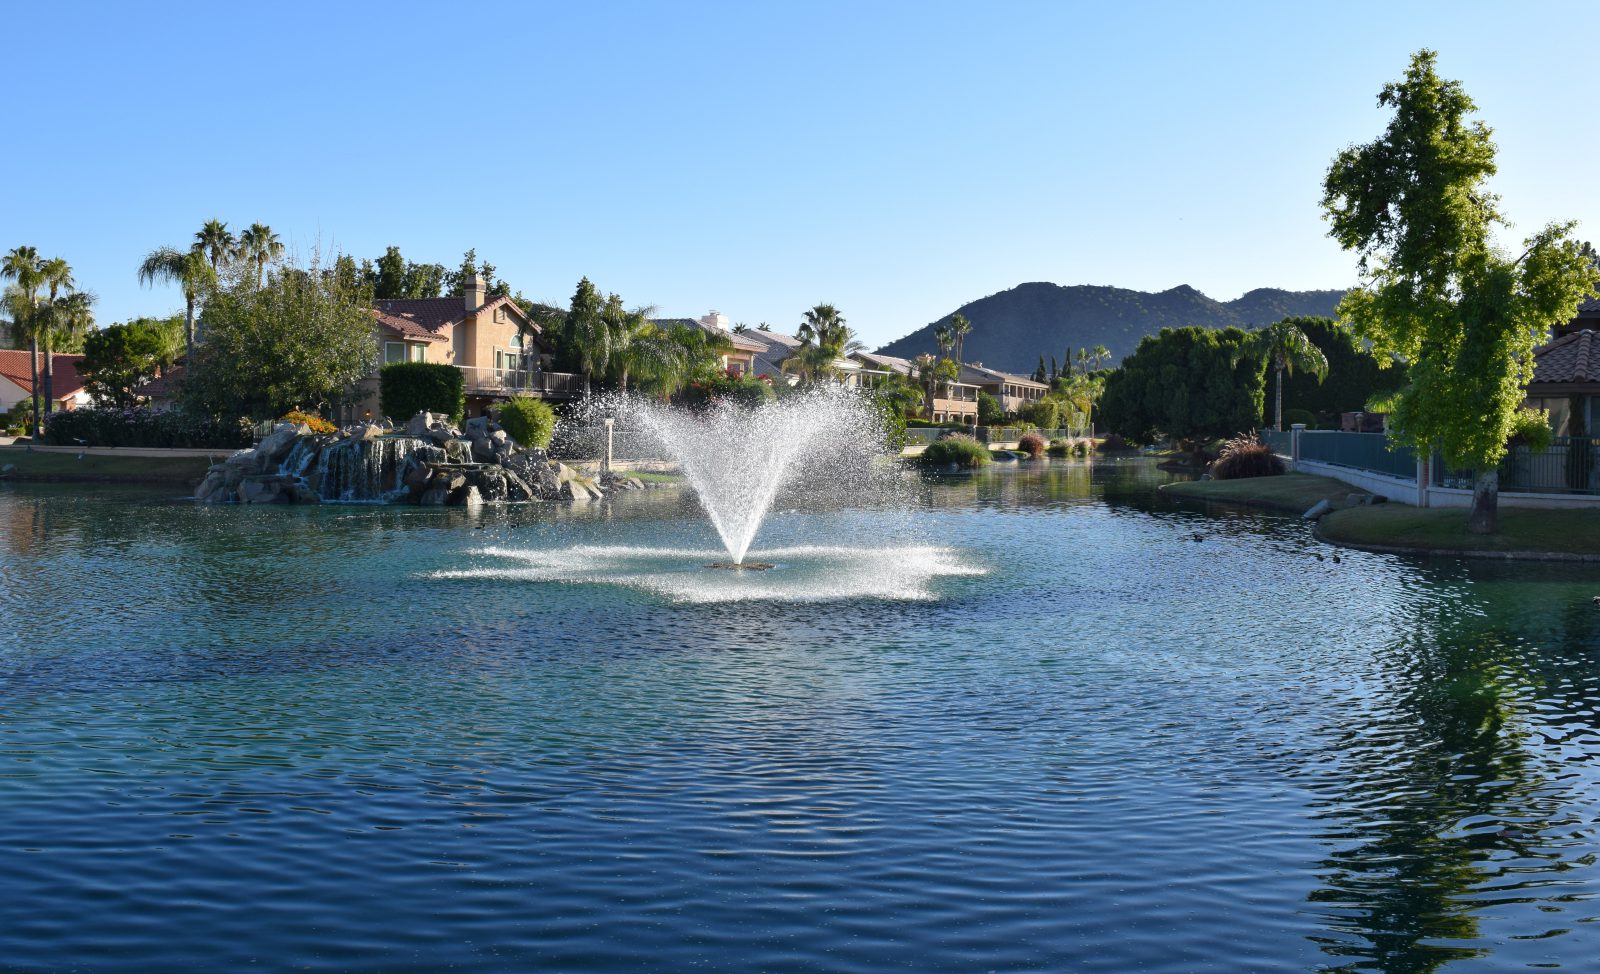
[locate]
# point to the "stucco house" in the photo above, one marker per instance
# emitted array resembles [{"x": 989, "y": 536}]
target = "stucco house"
[
  {"x": 16, "y": 379},
  {"x": 501, "y": 351},
  {"x": 1013, "y": 391},
  {"x": 742, "y": 359},
  {"x": 953, "y": 402}
]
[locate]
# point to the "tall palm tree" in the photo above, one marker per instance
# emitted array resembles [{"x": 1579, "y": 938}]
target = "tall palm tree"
[
  {"x": 960, "y": 328},
  {"x": 1284, "y": 347},
  {"x": 214, "y": 240},
  {"x": 22, "y": 265},
  {"x": 57, "y": 274},
  {"x": 62, "y": 318},
  {"x": 824, "y": 339},
  {"x": 258, "y": 245},
  {"x": 1083, "y": 360},
  {"x": 189, "y": 270},
  {"x": 944, "y": 338},
  {"x": 1101, "y": 356}
]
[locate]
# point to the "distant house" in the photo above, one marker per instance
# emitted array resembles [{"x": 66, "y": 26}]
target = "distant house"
[
  {"x": 16, "y": 379},
  {"x": 501, "y": 351},
  {"x": 953, "y": 402},
  {"x": 778, "y": 348},
  {"x": 739, "y": 361},
  {"x": 1013, "y": 391}
]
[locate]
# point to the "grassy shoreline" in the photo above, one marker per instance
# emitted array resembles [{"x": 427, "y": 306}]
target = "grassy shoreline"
[
  {"x": 1526, "y": 534},
  {"x": 49, "y": 467},
  {"x": 1292, "y": 493}
]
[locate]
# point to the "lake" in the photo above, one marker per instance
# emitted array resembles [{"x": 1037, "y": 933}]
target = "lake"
[{"x": 1023, "y": 722}]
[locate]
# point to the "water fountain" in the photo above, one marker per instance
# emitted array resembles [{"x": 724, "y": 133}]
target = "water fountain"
[{"x": 820, "y": 453}]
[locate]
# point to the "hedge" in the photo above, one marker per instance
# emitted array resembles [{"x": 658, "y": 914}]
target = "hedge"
[
  {"x": 408, "y": 388},
  {"x": 145, "y": 427}
]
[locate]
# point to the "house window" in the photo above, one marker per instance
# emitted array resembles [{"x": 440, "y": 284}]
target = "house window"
[
  {"x": 394, "y": 352},
  {"x": 516, "y": 340}
]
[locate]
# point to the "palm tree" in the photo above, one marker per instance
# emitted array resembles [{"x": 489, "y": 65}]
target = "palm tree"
[
  {"x": 62, "y": 318},
  {"x": 22, "y": 265},
  {"x": 57, "y": 275},
  {"x": 945, "y": 339},
  {"x": 1101, "y": 355},
  {"x": 187, "y": 269},
  {"x": 1284, "y": 347},
  {"x": 259, "y": 246},
  {"x": 960, "y": 328},
  {"x": 824, "y": 339},
  {"x": 1083, "y": 360},
  {"x": 214, "y": 240}
]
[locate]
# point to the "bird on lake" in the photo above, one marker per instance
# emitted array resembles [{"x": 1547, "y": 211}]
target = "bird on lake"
[{"x": 1199, "y": 537}]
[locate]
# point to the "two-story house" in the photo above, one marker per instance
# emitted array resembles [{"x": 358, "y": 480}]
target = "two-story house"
[{"x": 498, "y": 348}]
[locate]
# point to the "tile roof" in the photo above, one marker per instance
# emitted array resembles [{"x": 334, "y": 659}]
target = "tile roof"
[
  {"x": 67, "y": 382},
  {"x": 982, "y": 375},
  {"x": 407, "y": 327},
  {"x": 1572, "y": 358},
  {"x": 165, "y": 384},
  {"x": 741, "y": 342},
  {"x": 887, "y": 362}
]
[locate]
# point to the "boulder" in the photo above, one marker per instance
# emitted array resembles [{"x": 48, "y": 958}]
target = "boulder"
[
  {"x": 266, "y": 489},
  {"x": 483, "y": 449},
  {"x": 278, "y": 443},
  {"x": 1317, "y": 510},
  {"x": 440, "y": 435},
  {"x": 428, "y": 453},
  {"x": 467, "y": 497},
  {"x": 477, "y": 426},
  {"x": 517, "y": 489},
  {"x": 420, "y": 424},
  {"x": 417, "y": 476},
  {"x": 213, "y": 489},
  {"x": 493, "y": 484},
  {"x": 458, "y": 451},
  {"x": 434, "y": 497}
]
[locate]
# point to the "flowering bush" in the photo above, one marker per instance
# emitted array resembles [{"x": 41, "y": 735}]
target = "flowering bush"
[
  {"x": 146, "y": 427},
  {"x": 1032, "y": 444},
  {"x": 317, "y": 423}
]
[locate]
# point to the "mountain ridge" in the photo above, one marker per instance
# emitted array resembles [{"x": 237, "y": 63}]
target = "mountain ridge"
[{"x": 1011, "y": 328}]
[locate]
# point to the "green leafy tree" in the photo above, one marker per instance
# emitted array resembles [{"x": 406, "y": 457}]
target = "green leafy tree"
[
  {"x": 23, "y": 266},
  {"x": 1284, "y": 348},
  {"x": 1435, "y": 291},
  {"x": 301, "y": 340},
  {"x": 584, "y": 343},
  {"x": 529, "y": 421},
  {"x": 119, "y": 359},
  {"x": 461, "y": 278},
  {"x": 1185, "y": 383},
  {"x": 192, "y": 273},
  {"x": 989, "y": 411}
]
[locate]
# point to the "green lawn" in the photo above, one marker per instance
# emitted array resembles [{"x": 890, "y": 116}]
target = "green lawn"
[
  {"x": 130, "y": 470},
  {"x": 654, "y": 478},
  {"x": 1294, "y": 493},
  {"x": 1444, "y": 530}
]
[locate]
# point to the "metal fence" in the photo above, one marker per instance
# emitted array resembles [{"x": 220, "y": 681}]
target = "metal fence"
[
  {"x": 1362, "y": 451},
  {"x": 1281, "y": 441},
  {"x": 1571, "y": 465},
  {"x": 990, "y": 434}
]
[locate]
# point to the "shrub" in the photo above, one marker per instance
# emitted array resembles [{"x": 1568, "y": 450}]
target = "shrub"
[
  {"x": 317, "y": 423},
  {"x": 408, "y": 388},
  {"x": 15, "y": 422},
  {"x": 529, "y": 421},
  {"x": 1060, "y": 448},
  {"x": 147, "y": 427},
  {"x": 959, "y": 449},
  {"x": 1113, "y": 441},
  {"x": 1032, "y": 444},
  {"x": 1293, "y": 416},
  {"x": 741, "y": 390},
  {"x": 1246, "y": 456}
]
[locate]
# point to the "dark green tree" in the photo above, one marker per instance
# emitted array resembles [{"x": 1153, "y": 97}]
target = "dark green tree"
[
  {"x": 1355, "y": 375},
  {"x": 301, "y": 340},
  {"x": 1185, "y": 383},
  {"x": 120, "y": 358}
]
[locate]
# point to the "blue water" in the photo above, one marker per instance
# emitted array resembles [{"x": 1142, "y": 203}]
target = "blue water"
[{"x": 1028, "y": 725}]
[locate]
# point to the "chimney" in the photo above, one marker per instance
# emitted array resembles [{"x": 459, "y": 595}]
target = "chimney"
[
  {"x": 715, "y": 319},
  {"x": 475, "y": 293}
]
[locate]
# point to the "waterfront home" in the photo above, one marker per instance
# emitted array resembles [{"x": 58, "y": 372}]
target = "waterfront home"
[
  {"x": 16, "y": 379},
  {"x": 777, "y": 349},
  {"x": 1566, "y": 379},
  {"x": 953, "y": 402},
  {"x": 1013, "y": 391},
  {"x": 741, "y": 359},
  {"x": 500, "y": 350}
]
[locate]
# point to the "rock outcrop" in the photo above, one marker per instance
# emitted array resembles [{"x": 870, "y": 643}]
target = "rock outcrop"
[{"x": 428, "y": 462}]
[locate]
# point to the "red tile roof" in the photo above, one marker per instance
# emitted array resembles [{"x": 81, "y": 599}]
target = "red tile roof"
[
  {"x": 407, "y": 327},
  {"x": 1574, "y": 357},
  {"x": 67, "y": 382}
]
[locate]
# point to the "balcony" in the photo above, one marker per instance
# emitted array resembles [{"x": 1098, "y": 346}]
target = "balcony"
[{"x": 505, "y": 383}]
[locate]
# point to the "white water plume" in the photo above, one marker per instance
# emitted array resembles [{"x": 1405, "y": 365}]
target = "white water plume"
[{"x": 737, "y": 458}]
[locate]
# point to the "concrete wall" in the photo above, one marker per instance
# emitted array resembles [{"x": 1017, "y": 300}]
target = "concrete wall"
[{"x": 1405, "y": 491}]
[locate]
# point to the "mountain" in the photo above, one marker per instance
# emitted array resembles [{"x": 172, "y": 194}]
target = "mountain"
[{"x": 1011, "y": 329}]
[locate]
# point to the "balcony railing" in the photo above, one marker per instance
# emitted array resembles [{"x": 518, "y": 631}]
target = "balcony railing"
[{"x": 533, "y": 382}]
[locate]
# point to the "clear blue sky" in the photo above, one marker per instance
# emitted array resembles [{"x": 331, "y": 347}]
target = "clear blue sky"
[{"x": 896, "y": 159}]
